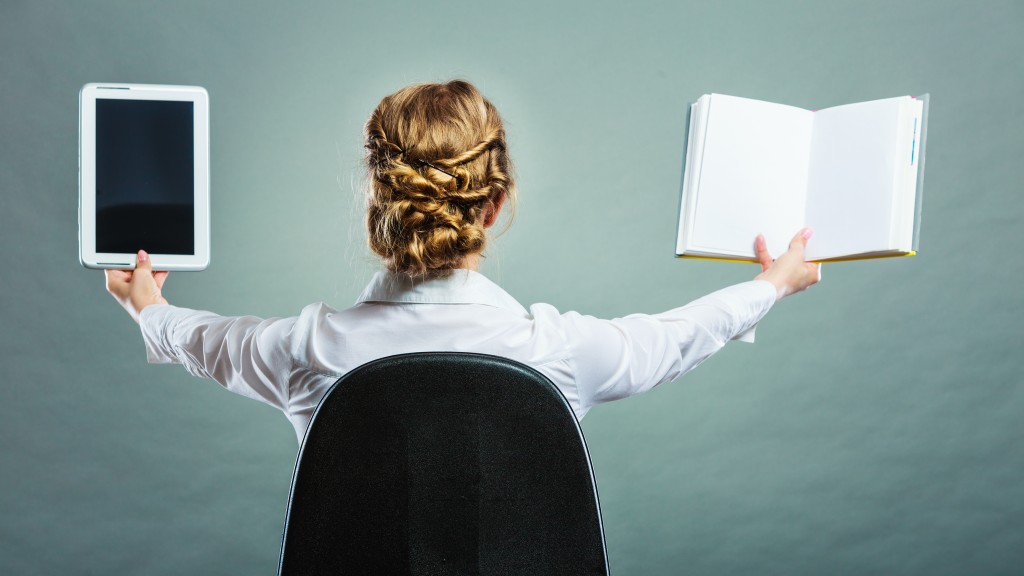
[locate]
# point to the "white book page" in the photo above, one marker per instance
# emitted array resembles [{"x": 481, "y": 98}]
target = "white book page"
[
  {"x": 691, "y": 173},
  {"x": 753, "y": 176},
  {"x": 852, "y": 178}
]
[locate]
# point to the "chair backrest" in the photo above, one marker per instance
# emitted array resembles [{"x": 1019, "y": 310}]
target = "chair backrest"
[{"x": 443, "y": 463}]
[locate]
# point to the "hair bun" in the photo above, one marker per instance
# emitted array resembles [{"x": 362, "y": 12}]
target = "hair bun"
[{"x": 437, "y": 160}]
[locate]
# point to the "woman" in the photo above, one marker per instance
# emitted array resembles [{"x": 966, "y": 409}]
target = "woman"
[{"x": 439, "y": 176}]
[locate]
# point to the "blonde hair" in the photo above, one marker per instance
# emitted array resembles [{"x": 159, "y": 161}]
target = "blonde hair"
[{"x": 438, "y": 165}]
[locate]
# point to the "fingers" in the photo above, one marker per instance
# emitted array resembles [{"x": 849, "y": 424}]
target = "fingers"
[
  {"x": 117, "y": 281},
  {"x": 761, "y": 247},
  {"x": 117, "y": 276},
  {"x": 160, "y": 278},
  {"x": 812, "y": 276},
  {"x": 798, "y": 242}
]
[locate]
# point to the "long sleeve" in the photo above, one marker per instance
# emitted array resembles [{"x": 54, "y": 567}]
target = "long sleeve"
[
  {"x": 618, "y": 358},
  {"x": 247, "y": 355},
  {"x": 290, "y": 363}
]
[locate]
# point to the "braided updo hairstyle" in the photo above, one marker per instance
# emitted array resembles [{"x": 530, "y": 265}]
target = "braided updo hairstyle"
[{"x": 439, "y": 170}]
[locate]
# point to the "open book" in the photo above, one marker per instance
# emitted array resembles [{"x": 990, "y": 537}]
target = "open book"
[{"x": 853, "y": 173}]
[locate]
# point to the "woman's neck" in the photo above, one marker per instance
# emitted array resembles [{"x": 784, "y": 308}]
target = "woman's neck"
[{"x": 471, "y": 262}]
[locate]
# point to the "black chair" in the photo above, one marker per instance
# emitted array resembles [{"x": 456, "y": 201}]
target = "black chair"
[{"x": 443, "y": 463}]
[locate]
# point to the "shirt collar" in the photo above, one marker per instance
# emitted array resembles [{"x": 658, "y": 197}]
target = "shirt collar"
[{"x": 461, "y": 287}]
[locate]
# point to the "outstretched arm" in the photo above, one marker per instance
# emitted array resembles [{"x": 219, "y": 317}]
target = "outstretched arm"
[
  {"x": 246, "y": 355},
  {"x": 630, "y": 355}
]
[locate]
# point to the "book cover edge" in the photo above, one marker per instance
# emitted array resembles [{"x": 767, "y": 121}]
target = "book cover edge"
[
  {"x": 841, "y": 259},
  {"x": 682, "y": 180},
  {"x": 919, "y": 195}
]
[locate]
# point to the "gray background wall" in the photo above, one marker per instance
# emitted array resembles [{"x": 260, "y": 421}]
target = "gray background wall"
[{"x": 875, "y": 427}]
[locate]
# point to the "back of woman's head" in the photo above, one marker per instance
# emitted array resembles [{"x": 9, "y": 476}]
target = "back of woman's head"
[{"x": 439, "y": 170}]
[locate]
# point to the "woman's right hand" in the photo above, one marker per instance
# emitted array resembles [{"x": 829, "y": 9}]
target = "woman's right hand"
[{"x": 789, "y": 273}]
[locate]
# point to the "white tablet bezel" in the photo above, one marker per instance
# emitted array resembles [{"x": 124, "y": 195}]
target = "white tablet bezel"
[{"x": 87, "y": 174}]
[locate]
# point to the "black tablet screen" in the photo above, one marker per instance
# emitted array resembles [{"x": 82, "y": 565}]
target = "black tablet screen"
[{"x": 145, "y": 166}]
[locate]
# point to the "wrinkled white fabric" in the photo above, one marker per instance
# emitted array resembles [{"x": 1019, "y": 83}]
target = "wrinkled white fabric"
[{"x": 290, "y": 363}]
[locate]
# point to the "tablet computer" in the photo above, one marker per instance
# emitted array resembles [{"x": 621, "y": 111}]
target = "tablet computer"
[{"x": 144, "y": 176}]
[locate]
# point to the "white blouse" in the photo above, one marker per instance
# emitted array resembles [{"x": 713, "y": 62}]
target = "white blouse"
[{"x": 290, "y": 363}]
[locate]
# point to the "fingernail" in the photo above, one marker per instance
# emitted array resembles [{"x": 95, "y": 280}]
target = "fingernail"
[
  {"x": 143, "y": 256},
  {"x": 807, "y": 233}
]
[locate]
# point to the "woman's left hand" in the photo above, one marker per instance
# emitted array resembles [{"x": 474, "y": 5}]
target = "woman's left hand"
[{"x": 136, "y": 289}]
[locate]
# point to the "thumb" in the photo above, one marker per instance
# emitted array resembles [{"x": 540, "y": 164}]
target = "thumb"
[
  {"x": 800, "y": 240},
  {"x": 143, "y": 265},
  {"x": 145, "y": 290}
]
